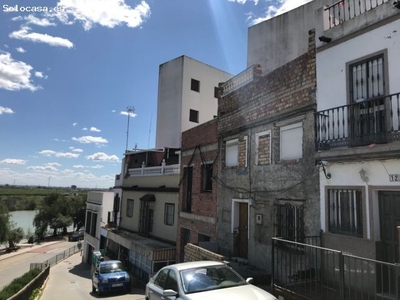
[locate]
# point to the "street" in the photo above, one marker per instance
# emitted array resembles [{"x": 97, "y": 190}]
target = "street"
[
  {"x": 18, "y": 264},
  {"x": 71, "y": 279}
]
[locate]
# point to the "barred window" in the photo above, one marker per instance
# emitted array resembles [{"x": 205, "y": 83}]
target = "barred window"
[
  {"x": 345, "y": 212},
  {"x": 129, "y": 208},
  {"x": 289, "y": 221},
  {"x": 169, "y": 213}
]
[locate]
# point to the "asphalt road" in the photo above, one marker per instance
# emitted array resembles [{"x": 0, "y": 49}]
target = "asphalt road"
[
  {"x": 19, "y": 263},
  {"x": 71, "y": 279}
]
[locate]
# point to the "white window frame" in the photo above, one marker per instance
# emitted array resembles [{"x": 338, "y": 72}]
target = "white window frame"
[
  {"x": 169, "y": 219},
  {"x": 287, "y": 128},
  {"x": 261, "y": 134}
]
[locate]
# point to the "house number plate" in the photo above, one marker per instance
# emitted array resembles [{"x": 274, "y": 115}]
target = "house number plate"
[{"x": 394, "y": 177}]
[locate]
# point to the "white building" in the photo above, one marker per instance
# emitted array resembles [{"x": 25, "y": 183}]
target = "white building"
[
  {"x": 358, "y": 133},
  {"x": 99, "y": 207},
  {"x": 186, "y": 98}
]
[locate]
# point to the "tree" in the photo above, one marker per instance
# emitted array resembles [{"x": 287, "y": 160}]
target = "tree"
[
  {"x": 4, "y": 221},
  {"x": 9, "y": 231}
]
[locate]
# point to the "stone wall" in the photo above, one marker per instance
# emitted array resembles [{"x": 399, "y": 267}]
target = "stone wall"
[{"x": 196, "y": 253}]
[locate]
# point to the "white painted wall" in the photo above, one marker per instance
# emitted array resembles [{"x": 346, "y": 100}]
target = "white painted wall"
[
  {"x": 331, "y": 63},
  {"x": 279, "y": 40},
  {"x": 175, "y": 98},
  {"x": 348, "y": 174}
]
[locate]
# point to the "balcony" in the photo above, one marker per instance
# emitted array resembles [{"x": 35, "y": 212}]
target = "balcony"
[
  {"x": 344, "y": 10},
  {"x": 155, "y": 171},
  {"x": 370, "y": 122}
]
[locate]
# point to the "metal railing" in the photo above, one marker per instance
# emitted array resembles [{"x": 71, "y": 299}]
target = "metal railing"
[
  {"x": 345, "y": 10},
  {"x": 362, "y": 123},
  {"x": 55, "y": 259},
  {"x": 314, "y": 273}
]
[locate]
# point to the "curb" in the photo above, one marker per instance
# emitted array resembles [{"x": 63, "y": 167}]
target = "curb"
[{"x": 27, "y": 249}]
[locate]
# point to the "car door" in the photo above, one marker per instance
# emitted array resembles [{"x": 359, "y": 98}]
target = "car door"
[{"x": 156, "y": 289}]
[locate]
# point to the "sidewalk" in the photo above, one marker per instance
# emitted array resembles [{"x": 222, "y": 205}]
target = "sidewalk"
[{"x": 26, "y": 248}]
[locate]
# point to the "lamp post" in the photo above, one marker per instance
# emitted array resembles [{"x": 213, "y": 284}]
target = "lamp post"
[{"x": 130, "y": 110}]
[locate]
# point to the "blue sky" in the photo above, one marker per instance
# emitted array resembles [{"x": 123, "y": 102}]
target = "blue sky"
[{"x": 68, "y": 76}]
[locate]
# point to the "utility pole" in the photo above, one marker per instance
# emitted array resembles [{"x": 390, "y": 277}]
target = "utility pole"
[{"x": 130, "y": 110}]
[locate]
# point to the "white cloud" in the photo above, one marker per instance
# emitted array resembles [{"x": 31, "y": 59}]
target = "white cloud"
[
  {"x": 76, "y": 149},
  {"x": 43, "y": 168},
  {"x": 31, "y": 19},
  {"x": 78, "y": 166},
  {"x": 59, "y": 154},
  {"x": 125, "y": 113},
  {"x": 24, "y": 34},
  {"x": 113, "y": 111},
  {"x": 12, "y": 161},
  {"x": 101, "y": 156},
  {"x": 94, "y": 129},
  {"x": 5, "y": 110},
  {"x": 97, "y": 167},
  {"x": 282, "y": 7},
  {"x": 74, "y": 124},
  {"x": 90, "y": 139},
  {"x": 110, "y": 13},
  {"x": 21, "y": 50},
  {"x": 244, "y": 1},
  {"x": 54, "y": 164},
  {"x": 39, "y": 74},
  {"x": 84, "y": 128},
  {"x": 15, "y": 75}
]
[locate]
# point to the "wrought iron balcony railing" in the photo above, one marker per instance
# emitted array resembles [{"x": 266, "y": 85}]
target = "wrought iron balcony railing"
[
  {"x": 366, "y": 122},
  {"x": 345, "y": 10}
]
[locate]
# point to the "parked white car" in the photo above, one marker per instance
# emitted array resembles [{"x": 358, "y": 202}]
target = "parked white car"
[{"x": 209, "y": 280}]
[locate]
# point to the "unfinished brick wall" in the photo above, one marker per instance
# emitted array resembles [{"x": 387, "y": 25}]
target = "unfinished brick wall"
[
  {"x": 196, "y": 253},
  {"x": 199, "y": 146},
  {"x": 287, "y": 88},
  {"x": 263, "y": 151}
]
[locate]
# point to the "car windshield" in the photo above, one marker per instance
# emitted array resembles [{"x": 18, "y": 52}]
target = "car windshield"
[
  {"x": 209, "y": 278},
  {"x": 111, "y": 268}
]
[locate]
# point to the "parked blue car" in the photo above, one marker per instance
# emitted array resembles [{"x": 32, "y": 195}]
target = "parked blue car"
[{"x": 110, "y": 276}]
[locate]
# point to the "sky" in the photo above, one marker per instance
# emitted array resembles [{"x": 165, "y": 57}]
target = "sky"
[{"x": 73, "y": 72}]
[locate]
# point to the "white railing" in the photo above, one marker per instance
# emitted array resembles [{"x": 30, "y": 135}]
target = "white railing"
[
  {"x": 155, "y": 171},
  {"x": 239, "y": 80}
]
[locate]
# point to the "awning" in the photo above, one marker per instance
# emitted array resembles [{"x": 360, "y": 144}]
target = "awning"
[{"x": 148, "y": 198}]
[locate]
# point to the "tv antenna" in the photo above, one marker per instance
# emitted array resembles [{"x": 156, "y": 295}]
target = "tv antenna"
[{"x": 130, "y": 111}]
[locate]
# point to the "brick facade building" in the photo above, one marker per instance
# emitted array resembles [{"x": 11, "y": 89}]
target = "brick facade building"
[
  {"x": 267, "y": 178},
  {"x": 198, "y": 205}
]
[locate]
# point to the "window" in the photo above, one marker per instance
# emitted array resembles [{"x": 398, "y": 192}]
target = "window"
[
  {"x": 231, "y": 153},
  {"x": 187, "y": 189},
  {"x": 195, "y": 85},
  {"x": 367, "y": 79},
  {"x": 129, "y": 208},
  {"x": 289, "y": 222},
  {"x": 169, "y": 212},
  {"x": 203, "y": 238},
  {"x": 291, "y": 145},
  {"x": 206, "y": 177},
  {"x": 161, "y": 278},
  {"x": 88, "y": 221},
  {"x": 216, "y": 92},
  {"x": 345, "y": 211},
  {"x": 146, "y": 214},
  {"x": 194, "y": 116},
  {"x": 263, "y": 144},
  {"x": 93, "y": 226}
]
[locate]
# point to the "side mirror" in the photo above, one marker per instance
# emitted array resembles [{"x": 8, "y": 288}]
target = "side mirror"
[
  {"x": 249, "y": 280},
  {"x": 170, "y": 293}
]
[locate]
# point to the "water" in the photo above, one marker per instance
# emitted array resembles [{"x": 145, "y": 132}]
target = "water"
[{"x": 24, "y": 219}]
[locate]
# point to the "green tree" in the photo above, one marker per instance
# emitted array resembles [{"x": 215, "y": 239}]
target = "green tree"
[
  {"x": 15, "y": 235},
  {"x": 4, "y": 221}
]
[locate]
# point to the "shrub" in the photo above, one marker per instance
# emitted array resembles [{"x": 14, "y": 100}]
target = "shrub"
[{"x": 18, "y": 283}]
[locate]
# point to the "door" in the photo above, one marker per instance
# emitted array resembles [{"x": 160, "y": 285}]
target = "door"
[
  {"x": 367, "y": 110},
  {"x": 389, "y": 213},
  {"x": 241, "y": 238}
]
